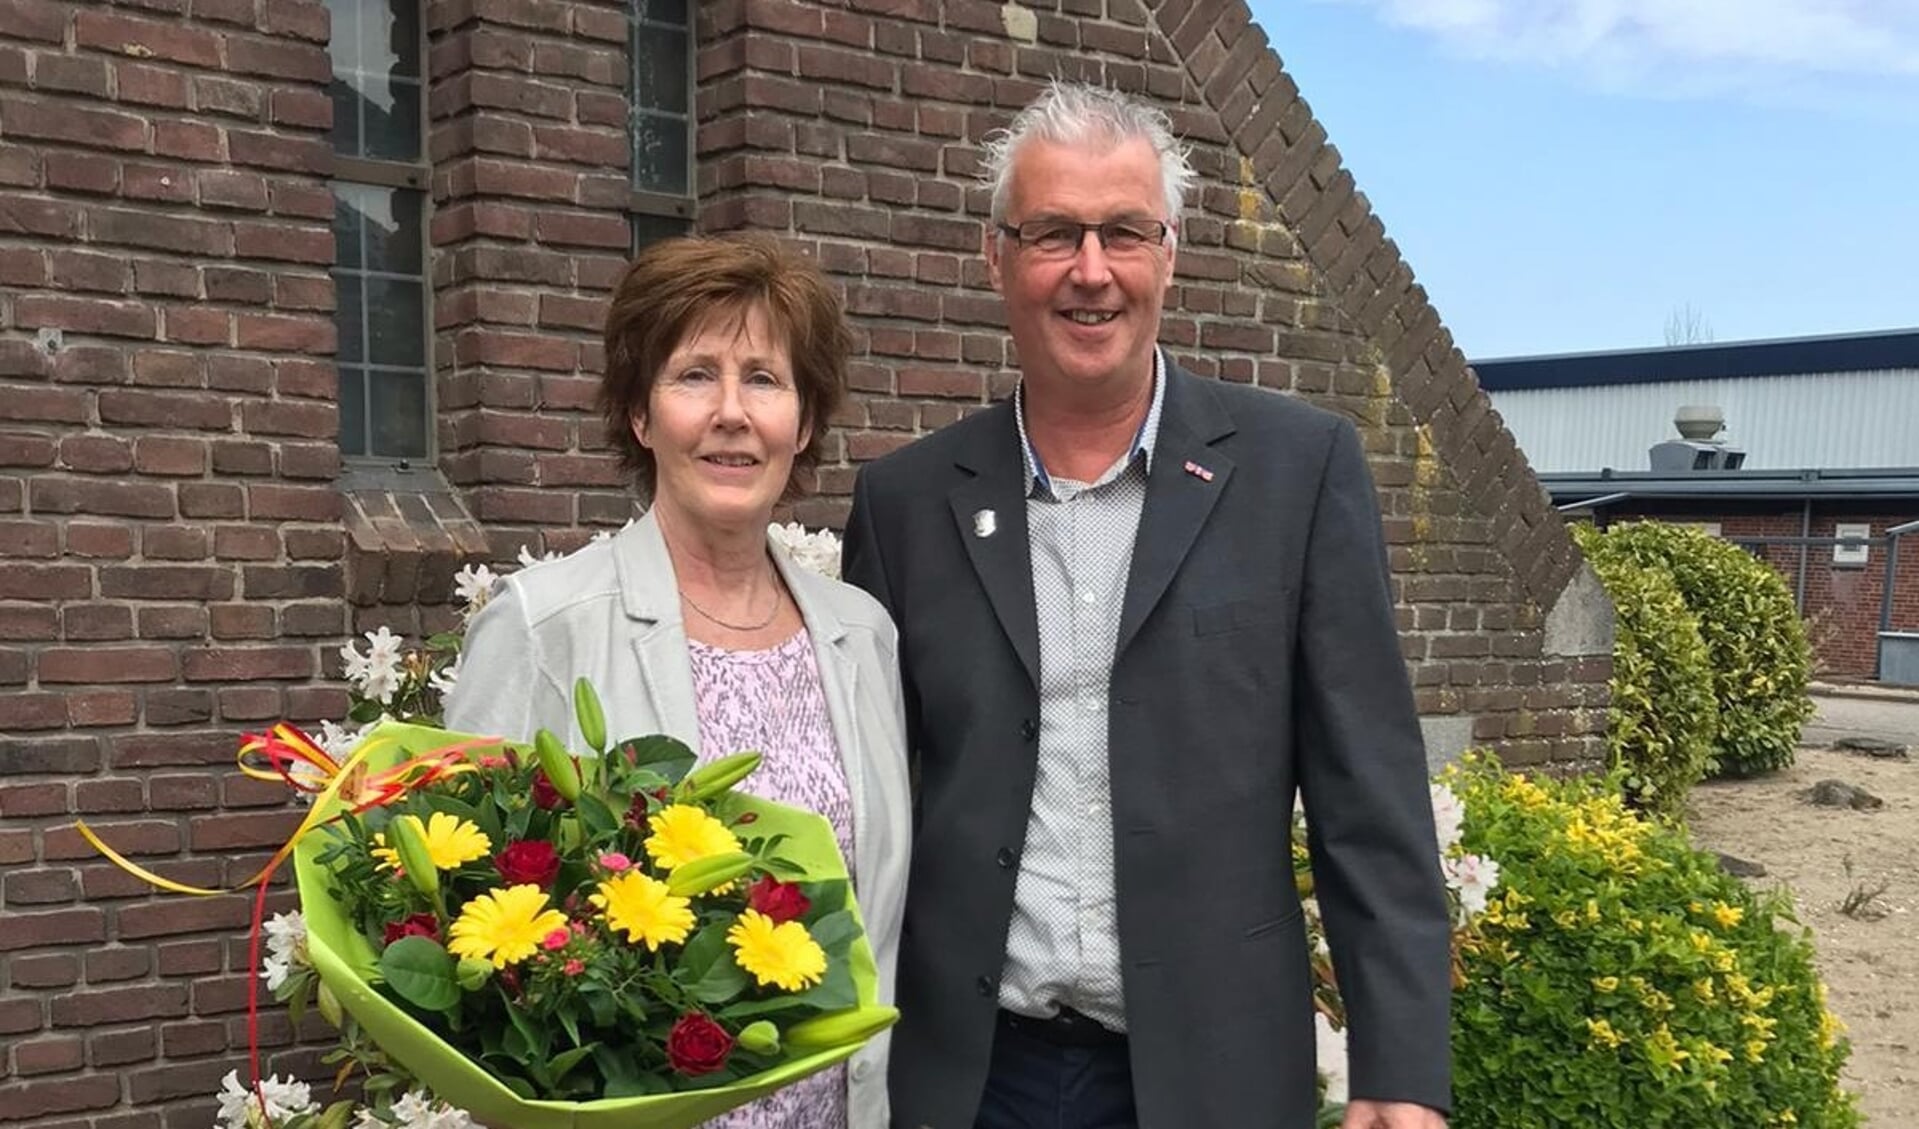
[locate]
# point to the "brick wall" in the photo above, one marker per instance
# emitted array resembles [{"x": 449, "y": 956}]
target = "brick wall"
[
  {"x": 182, "y": 551},
  {"x": 1841, "y": 602}
]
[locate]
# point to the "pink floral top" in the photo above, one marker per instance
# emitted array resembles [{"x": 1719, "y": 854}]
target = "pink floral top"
[{"x": 771, "y": 701}]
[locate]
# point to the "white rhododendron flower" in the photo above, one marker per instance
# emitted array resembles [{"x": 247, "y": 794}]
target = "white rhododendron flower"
[
  {"x": 528, "y": 560},
  {"x": 1473, "y": 878},
  {"x": 376, "y": 674},
  {"x": 444, "y": 679},
  {"x": 474, "y": 585},
  {"x": 415, "y": 1109},
  {"x": 240, "y": 1106},
  {"x": 286, "y": 937},
  {"x": 1448, "y": 815},
  {"x": 817, "y": 550}
]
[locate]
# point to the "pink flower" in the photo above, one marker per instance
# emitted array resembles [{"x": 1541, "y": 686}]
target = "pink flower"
[
  {"x": 574, "y": 967},
  {"x": 557, "y": 939},
  {"x": 615, "y": 861}
]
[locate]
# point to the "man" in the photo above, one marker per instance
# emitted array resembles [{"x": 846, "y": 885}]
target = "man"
[{"x": 1138, "y": 610}]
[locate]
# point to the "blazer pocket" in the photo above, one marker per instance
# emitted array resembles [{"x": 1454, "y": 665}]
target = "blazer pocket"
[
  {"x": 1273, "y": 925},
  {"x": 1238, "y": 615}
]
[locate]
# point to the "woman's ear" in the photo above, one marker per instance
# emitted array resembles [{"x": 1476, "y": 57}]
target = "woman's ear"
[
  {"x": 638, "y": 423},
  {"x": 806, "y": 437}
]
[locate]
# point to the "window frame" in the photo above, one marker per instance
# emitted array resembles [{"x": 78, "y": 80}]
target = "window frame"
[
  {"x": 649, "y": 203},
  {"x": 416, "y": 176}
]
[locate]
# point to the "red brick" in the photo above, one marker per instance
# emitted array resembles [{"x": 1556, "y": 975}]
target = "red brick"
[
  {"x": 96, "y": 622},
  {"x": 85, "y": 539},
  {"x": 37, "y": 405},
  {"x": 103, "y": 707},
  {"x": 96, "y": 454},
  {"x": 228, "y": 664},
  {"x": 174, "y": 42},
  {"x": 172, "y": 621},
  {"x": 72, "y": 125},
  {"x": 44, "y": 582},
  {"x": 55, "y": 927},
  {"x": 107, "y": 664},
  {"x": 215, "y": 833},
  {"x": 103, "y": 316},
  {"x": 125, "y": 1004},
  {"x": 28, "y": 1101}
]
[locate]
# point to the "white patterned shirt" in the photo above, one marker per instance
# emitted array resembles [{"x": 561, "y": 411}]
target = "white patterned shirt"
[{"x": 1063, "y": 944}]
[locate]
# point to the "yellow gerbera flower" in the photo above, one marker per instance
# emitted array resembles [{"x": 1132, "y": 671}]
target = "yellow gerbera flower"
[
  {"x": 504, "y": 926},
  {"x": 450, "y": 841},
  {"x": 784, "y": 954},
  {"x": 640, "y": 907},
  {"x": 683, "y": 833}
]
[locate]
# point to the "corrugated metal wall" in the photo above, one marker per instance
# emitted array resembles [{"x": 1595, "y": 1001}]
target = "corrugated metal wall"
[{"x": 1844, "y": 419}]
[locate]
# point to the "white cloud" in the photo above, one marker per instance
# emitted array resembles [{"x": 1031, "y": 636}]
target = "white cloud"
[{"x": 1678, "y": 43}]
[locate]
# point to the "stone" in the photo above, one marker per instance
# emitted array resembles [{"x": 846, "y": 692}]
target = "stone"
[
  {"x": 1872, "y": 747},
  {"x": 1839, "y": 794}
]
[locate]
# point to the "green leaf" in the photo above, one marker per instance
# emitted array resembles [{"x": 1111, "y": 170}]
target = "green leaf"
[
  {"x": 668, "y": 756},
  {"x": 835, "y": 931},
  {"x": 566, "y": 1060},
  {"x": 595, "y": 816},
  {"x": 421, "y": 972}
]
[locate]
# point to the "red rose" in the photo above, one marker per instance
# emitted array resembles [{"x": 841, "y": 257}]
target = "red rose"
[
  {"x": 781, "y": 901},
  {"x": 419, "y": 925},
  {"x": 697, "y": 1045},
  {"x": 528, "y": 861}
]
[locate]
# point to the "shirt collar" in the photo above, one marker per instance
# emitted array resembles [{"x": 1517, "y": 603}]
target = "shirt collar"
[{"x": 1039, "y": 482}]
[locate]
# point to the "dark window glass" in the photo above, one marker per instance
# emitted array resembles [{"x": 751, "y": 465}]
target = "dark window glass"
[
  {"x": 659, "y": 154},
  {"x": 382, "y": 321},
  {"x": 661, "y": 91},
  {"x": 396, "y": 405},
  {"x": 650, "y": 229}
]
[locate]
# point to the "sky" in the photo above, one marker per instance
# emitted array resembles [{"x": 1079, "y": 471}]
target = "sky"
[{"x": 1575, "y": 175}]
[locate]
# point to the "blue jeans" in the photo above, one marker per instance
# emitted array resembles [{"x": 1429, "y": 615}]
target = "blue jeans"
[{"x": 1037, "y": 1084}]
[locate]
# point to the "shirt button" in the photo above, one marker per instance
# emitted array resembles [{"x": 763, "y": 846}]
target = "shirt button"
[
  {"x": 1088, "y": 597},
  {"x": 1005, "y": 858},
  {"x": 985, "y": 985}
]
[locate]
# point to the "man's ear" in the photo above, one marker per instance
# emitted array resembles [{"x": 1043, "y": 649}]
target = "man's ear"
[{"x": 992, "y": 248}]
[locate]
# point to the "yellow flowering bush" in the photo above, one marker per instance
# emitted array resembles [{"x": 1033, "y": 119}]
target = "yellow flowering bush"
[{"x": 1619, "y": 978}]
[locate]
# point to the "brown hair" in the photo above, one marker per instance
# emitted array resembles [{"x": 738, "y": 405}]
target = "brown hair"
[{"x": 677, "y": 286}]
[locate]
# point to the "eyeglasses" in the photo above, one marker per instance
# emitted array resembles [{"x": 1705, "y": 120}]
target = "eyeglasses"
[{"x": 1059, "y": 238}]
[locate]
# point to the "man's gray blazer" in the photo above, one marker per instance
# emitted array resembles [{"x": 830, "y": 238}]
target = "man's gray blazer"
[{"x": 1257, "y": 654}]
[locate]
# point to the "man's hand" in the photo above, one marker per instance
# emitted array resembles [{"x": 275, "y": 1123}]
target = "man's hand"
[{"x": 1364, "y": 1114}]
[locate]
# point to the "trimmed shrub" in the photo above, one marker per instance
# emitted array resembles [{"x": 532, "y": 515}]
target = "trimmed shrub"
[
  {"x": 1663, "y": 717},
  {"x": 1760, "y": 660},
  {"x": 1618, "y": 978}
]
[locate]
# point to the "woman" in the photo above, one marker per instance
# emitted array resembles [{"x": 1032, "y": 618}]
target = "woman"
[{"x": 725, "y": 358}]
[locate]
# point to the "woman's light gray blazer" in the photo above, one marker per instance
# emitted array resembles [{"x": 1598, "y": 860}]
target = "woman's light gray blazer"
[{"x": 611, "y": 613}]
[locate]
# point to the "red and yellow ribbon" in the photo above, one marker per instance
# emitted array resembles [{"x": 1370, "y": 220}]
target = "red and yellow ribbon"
[{"x": 286, "y": 749}]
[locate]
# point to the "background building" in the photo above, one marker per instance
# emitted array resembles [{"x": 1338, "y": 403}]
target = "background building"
[
  {"x": 299, "y": 310},
  {"x": 1819, "y": 444}
]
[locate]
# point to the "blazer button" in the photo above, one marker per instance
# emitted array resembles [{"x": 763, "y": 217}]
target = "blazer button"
[
  {"x": 985, "y": 985},
  {"x": 1005, "y": 858},
  {"x": 1029, "y": 729}
]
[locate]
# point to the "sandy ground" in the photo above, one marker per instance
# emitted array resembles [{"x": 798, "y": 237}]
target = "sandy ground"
[{"x": 1870, "y": 958}]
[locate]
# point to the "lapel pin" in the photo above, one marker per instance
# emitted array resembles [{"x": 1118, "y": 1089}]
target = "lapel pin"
[
  {"x": 985, "y": 523},
  {"x": 1198, "y": 471}
]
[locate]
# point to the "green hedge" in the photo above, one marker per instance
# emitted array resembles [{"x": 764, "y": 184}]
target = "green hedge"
[
  {"x": 1663, "y": 718},
  {"x": 1619, "y": 978},
  {"x": 1760, "y": 659}
]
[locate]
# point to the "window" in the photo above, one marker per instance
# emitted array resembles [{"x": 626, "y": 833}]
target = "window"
[
  {"x": 1852, "y": 553},
  {"x": 379, "y": 229},
  {"x": 660, "y": 119}
]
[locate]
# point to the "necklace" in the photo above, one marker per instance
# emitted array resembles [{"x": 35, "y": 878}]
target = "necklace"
[{"x": 736, "y": 626}]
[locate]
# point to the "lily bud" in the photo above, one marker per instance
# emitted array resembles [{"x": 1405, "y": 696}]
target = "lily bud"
[
  {"x": 760, "y": 1037},
  {"x": 409, "y": 842},
  {"x": 592, "y": 719},
  {"x": 329, "y": 1004},
  {"x": 558, "y": 765},
  {"x": 709, "y": 780}
]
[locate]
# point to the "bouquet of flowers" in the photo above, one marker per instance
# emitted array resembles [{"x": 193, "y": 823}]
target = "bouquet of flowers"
[{"x": 544, "y": 940}]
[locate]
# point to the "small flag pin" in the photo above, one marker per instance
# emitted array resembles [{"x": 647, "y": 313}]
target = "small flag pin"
[
  {"x": 1198, "y": 471},
  {"x": 985, "y": 523}
]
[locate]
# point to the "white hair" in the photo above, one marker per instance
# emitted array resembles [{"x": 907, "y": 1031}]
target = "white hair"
[{"x": 1077, "y": 114}]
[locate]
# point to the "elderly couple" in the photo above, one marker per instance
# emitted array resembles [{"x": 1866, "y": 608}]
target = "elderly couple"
[{"x": 1096, "y": 637}]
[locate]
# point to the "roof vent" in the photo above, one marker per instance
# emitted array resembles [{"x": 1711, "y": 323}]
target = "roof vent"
[{"x": 1696, "y": 449}]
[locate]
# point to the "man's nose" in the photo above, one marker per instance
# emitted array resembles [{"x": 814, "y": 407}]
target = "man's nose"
[{"x": 1090, "y": 266}]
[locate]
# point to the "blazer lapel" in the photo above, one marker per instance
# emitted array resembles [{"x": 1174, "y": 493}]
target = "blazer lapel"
[
  {"x": 1187, "y": 478},
  {"x": 650, "y": 592},
  {"x": 989, "y": 509}
]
